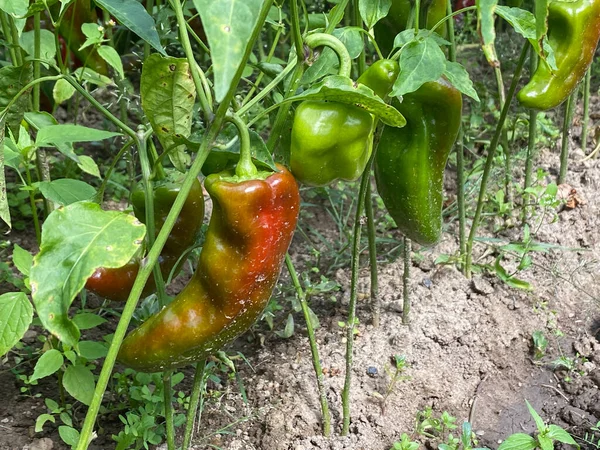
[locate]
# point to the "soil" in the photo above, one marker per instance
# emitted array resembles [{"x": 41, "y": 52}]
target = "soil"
[{"x": 468, "y": 349}]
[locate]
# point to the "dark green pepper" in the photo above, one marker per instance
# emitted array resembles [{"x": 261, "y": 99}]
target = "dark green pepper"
[
  {"x": 381, "y": 76},
  {"x": 116, "y": 284},
  {"x": 410, "y": 161},
  {"x": 573, "y": 34}
]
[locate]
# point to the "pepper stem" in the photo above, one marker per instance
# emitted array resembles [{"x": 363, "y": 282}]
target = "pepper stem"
[
  {"x": 322, "y": 39},
  {"x": 245, "y": 167}
]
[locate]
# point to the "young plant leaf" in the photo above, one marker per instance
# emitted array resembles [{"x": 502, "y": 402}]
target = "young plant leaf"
[
  {"x": 65, "y": 191},
  {"x": 76, "y": 240},
  {"x": 228, "y": 25},
  {"x": 420, "y": 61},
  {"x": 79, "y": 383},
  {"x": 16, "y": 313},
  {"x": 48, "y": 364},
  {"x": 133, "y": 15},
  {"x": 85, "y": 321},
  {"x": 22, "y": 260},
  {"x": 69, "y": 435},
  {"x": 112, "y": 58},
  {"x": 66, "y": 134},
  {"x": 372, "y": 11},
  {"x": 168, "y": 96},
  {"x": 518, "y": 441}
]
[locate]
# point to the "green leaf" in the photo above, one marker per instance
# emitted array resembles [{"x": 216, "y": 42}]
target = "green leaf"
[
  {"x": 14, "y": 7},
  {"x": 41, "y": 420},
  {"x": 558, "y": 434},
  {"x": 49, "y": 363},
  {"x": 16, "y": 314},
  {"x": 459, "y": 77},
  {"x": 69, "y": 435},
  {"x": 168, "y": 96},
  {"x": 372, "y": 11},
  {"x": 79, "y": 383},
  {"x": 47, "y": 45},
  {"x": 85, "y": 321},
  {"x": 62, "y": 91},
  {"x": 42, "y": 119},
  {"x": 420, "y": 61},
  {"x": 62, "y": 134},
  {"x": 112, "y": 58},
  {"x": 288, "y": 331},
  {"x": 65, "y": 191},
  {"x": 23, "y": 260},
  {"x": 485, "y": 25},
  {"x": 91, "y": 350},
  {"x": 545, "y": 443},
  {"x": 94, "y": 34},
  {"x": 76, "y": 240},
  {"x": 518, "y": 441},
  {"x": 91, "y": 76},
  {"x": 88, "y": 165},
  {"x": 12, "y": 80},
  {"x": 539, "y": 423},
  {"x": 133, "y": 15},
  {"x": 340, "y": 89},
  {"x": 228, "y": 25},
  {"x": 4, "y": 210}
]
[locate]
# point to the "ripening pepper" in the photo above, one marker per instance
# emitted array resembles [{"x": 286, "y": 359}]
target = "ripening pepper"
[
  {"x": 116, "y": 284},
  {"x": 410, "y": 161},
  {"x": 330, "y": 141},
  {"x": 250, "y": 230},
  {"x": 399, "y": 19},
  {"x": 573, "y": 34}
]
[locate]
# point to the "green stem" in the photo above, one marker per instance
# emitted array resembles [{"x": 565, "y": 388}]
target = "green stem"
[
  {"x": 8, "y": 36},
  {"x": 531, "y": 153},
  {"x": 564, "y": 150},
  {"x": 196, "y": 399},
  {"x": 362, "y": 59},
  {"x": 586, "y": 110},
  {"x": 351, "y": 322},
  {"x": 36, "y": 221},
  {"x": 168, "y": 396},
  {"x": 375, "y": 300},
  {"x": 417, "y": 14},
  {"x": 406, "y": 282},
  {"x": 153, "y": 254},
  {"x": 194, "y": 68},
  {"x": 15, "y": 40},
  {"x": 460, "y": 154},
  {"x": 504, "y": 139},
  {"x": 314, "y": 350},
  {"x": 322, "y": 39},
  {"x": 113, "y": 164},
  {"x": 245, "y": 168},
  {"x": 490, "y": 159},
  {"x": 336, "y": 15},
  {"x": 449, "y": 16},
  {"x": 268, "y": 88}
]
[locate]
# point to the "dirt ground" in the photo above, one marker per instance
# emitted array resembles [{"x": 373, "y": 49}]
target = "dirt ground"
[{"x": 468, "y": 349}]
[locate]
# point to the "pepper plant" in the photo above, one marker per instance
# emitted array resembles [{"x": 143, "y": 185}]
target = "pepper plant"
[{"x": 383, "y": 92}]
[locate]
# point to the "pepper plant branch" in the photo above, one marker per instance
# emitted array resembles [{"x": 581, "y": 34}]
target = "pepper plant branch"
[
  {"x": 336, "y": 15},
  {"x": 189, "y": 54},
  {"x": 586, "y": 110},
  {"x": 8, "y": 37},
  {"x": 490, "y": 159},
  {"x": 314, "y": 349},
  {"x": 505, "y": 145},
  {"x": 323, "y": 39},
  {"x": 154, "y": 253},
  {"x": 375, "y": 300},
  {"x": 195, "y": 401},
  {"x": 533, "y": 115},
  {"x": 455, "y": 13},
  {"x": 167, "y": 396},
  {"x": 564, "y": 148},
  {"x": 296, "y": 33},
  {"x": 245, "y": 167},
  {"x": 406, "y": 281}
]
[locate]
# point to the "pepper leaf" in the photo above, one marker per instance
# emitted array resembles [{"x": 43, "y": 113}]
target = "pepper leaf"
[
  {"x": 420, "y": 61},
  {"x": 340, "y": 89},
  {"x": 133, "y": 15},
  {"x": 76, "y": 240},
  {"x": 168, "y": 96},
  {"x": 372, "y": 11},
  {"x": 459, "y": 77},
  {"x": 228, "y": 25},
  {"x": 65, "y": 191},
  {"x": 485, "y": 26},
  {"x": 15, "y": 317}
]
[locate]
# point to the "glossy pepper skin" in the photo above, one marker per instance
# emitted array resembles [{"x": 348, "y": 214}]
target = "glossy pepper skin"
[
  {"x": 330, "y": 141},
  {"x": 397, "y": 20},
  {"x": 116, "y": 284},
  {"x": 248, "y": 236},
  {"x": 381, "y": 76},
  {"x": 410, "y": 161},
  {"x": 573, "y": 34}
]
